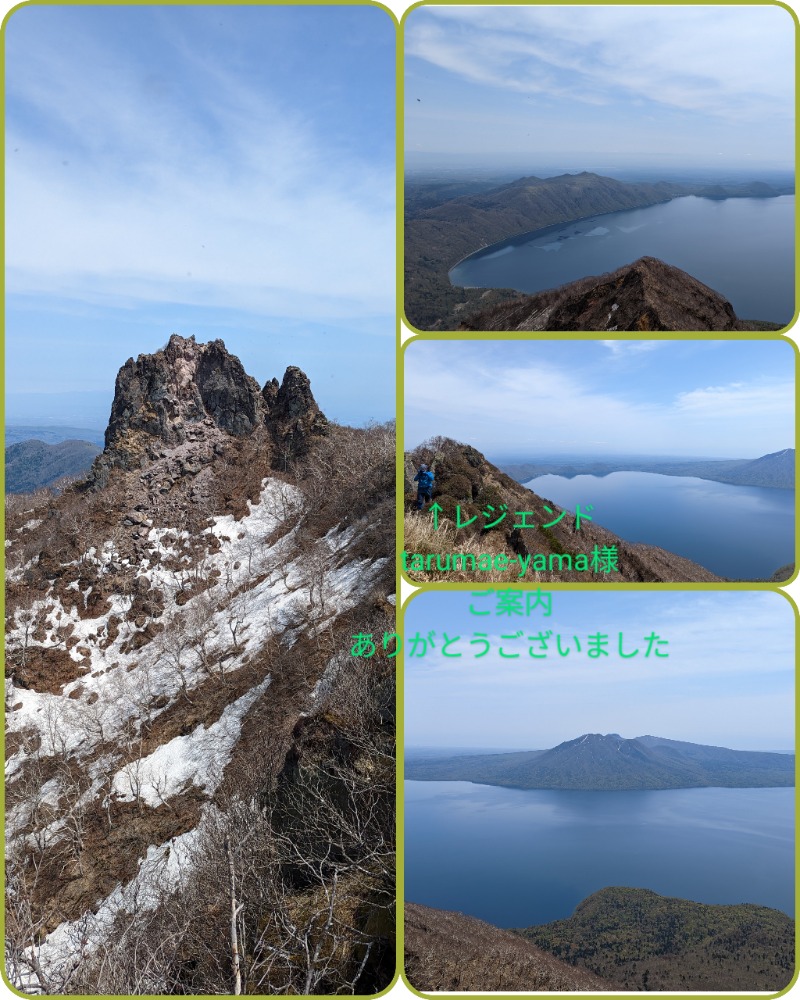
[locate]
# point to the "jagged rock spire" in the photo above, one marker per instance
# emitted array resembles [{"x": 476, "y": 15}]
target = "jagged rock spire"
[{"x": 189, "y": 394}]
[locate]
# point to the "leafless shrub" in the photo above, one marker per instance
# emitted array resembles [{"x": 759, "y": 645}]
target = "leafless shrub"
[{"x": 289, "y": 887}]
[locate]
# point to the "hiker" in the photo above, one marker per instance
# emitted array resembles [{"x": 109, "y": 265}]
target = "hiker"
[{"x": 425, "y": 488}]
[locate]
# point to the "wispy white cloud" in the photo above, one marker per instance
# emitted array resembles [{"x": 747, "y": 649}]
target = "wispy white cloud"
[
  {"x": 720, "y": 684},
  {"x": 739, "y": 400},
  {"x": 733, "y": 62},
  {"x": 701, "y": 644},
  {"x": 547, "y": 407},
  {"x": 626, "y": 348},
  {"x": 123, "y": 187}
]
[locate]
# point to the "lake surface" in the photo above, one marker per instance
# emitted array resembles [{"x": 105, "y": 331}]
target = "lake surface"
[
  {"x": 517, "y": 857},
  {"x": 741, "y": 532},
  {"x": 743, "y": 248}
]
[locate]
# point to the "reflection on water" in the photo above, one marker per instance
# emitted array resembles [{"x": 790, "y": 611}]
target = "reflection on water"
[
  {"x": 740, "y": 532},
  {"x": 742, "y": 247},
  {"x": 516, "y": 857}
]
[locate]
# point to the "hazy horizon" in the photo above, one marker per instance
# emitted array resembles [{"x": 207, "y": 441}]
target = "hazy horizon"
[
  {"x": 718, "y": 686},
  {"x": 519, "y": 458},
  {"x": 659, "y": 398},
  {"x": 422, "y": 168},
  {"x": 463, "y": 751},
  {"x": 641, "y": 87}
]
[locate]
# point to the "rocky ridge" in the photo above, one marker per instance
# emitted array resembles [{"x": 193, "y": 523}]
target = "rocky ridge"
[
  {"x": 180, "y": 700},
  {"x": 175, "y": 410},
  {"x": 645, "y": 295},
  {"x": 466, "y": 479}
]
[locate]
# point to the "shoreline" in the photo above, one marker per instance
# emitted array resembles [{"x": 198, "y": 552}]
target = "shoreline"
[{"x": 536, "y": 233}]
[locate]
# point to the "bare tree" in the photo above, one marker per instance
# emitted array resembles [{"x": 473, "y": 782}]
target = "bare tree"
[{"x": 174, "y": 646}]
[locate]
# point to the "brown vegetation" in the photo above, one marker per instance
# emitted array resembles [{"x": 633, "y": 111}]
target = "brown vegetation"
[
  {"x": 451, "y": 951},
  {"x": 290, "y": 863},
  {"x": 466, "y": 480},
  {"x": 645, "y": 295}
]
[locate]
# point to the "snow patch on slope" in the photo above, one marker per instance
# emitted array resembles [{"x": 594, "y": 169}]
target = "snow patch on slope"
[{"x": 197, "y": 759}]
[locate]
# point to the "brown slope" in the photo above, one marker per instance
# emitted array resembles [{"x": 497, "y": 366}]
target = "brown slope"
[
  {"x": 451, "y": 951},
  {"x": 464, "y": 477},
  {"x": 645, "y": 295}
]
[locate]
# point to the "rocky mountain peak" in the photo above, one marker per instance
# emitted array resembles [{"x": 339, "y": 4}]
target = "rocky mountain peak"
[
  {"x": 294, "y": 398},
  {"x": 184, "y": 385},
  {"x": 189, "y": 397},
  {"x": 270, "y": 393},
  {"x": 293, "y": 415}
]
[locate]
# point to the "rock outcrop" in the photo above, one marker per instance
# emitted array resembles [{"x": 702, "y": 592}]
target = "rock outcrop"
[
  {"x": 161, "y": 395},
  {"x": 292, "y": 414},
  {"x": 645, "y": 295},
  {"x": 186, "y": 402}
]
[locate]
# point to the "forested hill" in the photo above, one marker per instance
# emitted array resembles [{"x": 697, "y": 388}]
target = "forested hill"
[
  {"x": 642, "y": 941},
  {"x": 595, "y": 762},
  {"x": 31, "y": 465}
]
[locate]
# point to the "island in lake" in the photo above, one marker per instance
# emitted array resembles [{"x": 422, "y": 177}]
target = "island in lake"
[{"x": 597, "y": 762}]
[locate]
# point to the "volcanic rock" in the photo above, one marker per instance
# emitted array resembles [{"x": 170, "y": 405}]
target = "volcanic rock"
[
  {"x": 293, "y": 415},
  {"x": 179, "y": 406},
  {"x": 645, "y": 295}
]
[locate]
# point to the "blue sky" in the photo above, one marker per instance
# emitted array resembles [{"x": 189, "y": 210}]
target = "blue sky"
[
  {"x": 705, "y": 398},
  {"x": 223, "y": 171},
  {"x": 667, "y": 87},
  {"x": 728, "y": 680}
]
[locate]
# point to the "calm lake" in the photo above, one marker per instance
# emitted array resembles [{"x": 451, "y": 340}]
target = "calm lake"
[
  {"x": 741, "y": 247},
  {"x": 517, "y": 857},
  {"x": 741, "y": 532}
]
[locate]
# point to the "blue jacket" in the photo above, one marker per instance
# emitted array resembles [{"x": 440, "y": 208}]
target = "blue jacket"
[{"x": 425, "y": 480}]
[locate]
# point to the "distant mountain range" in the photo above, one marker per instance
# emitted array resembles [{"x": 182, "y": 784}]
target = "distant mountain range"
[
  {"x": 52, "y": 433},
  {"x": 595, "y": 762},
  {"x": 440, "y": 230},
  {"x": 31, "y": 465},
  {"x": 775, "y": 470}
]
